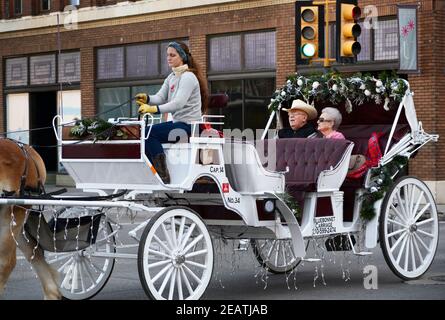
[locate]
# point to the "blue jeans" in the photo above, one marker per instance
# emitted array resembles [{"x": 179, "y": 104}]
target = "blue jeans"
[{"x": 166, "y": 132}]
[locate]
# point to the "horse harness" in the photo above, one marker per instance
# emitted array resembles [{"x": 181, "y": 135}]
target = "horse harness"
[{"x": 23, "y": 189}]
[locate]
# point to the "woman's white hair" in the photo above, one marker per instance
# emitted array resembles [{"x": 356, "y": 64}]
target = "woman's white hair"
[{"x": 335, "y": 115}]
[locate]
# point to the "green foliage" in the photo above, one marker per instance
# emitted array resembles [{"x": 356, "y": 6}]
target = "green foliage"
[
  {"x": 334, "y": 88},
  {"x": 98, "y": 129},
  {"x": 383, "y": 180},
  {"x": 289, "y": 200}
]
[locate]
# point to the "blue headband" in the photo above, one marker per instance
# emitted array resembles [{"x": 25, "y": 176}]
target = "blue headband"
[{"x": 180, "y": 51}]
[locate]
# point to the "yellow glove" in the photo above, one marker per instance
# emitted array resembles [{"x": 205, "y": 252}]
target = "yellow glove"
[
  {"x": 145, "y": 108},
  {"x": 141, "y": 97}
]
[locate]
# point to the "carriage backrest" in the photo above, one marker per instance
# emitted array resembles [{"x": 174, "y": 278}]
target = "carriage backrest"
[
  {"x": 306, "y": 159},
  {"x": 360, "y": 134}
]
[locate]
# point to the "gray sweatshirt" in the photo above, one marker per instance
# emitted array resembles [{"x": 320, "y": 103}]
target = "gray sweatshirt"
[{"x": 179, "y": 95}]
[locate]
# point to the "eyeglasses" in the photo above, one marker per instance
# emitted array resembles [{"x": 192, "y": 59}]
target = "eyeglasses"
[{"x": 324, "y": 120}]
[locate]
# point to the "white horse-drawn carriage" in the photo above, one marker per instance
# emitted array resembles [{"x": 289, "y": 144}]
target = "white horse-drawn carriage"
[{"x": 226, "y": 188}]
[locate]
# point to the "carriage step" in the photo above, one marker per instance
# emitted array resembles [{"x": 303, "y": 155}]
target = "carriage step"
[
  {"x": 363, "y": 253},
  {"x": 311, "y": 260}
]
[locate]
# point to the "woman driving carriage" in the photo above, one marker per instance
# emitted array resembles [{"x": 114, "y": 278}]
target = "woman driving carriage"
[{"x": 184, "y": 94}]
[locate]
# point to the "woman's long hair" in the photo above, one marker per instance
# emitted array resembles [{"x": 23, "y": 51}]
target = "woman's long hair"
[{"x": 195, "y": 68}]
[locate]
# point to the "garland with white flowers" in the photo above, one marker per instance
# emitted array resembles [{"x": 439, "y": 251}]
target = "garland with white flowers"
[{"x": 335, "y": 88}]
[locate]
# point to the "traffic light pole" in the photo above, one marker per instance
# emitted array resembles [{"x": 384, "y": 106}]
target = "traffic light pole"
[{"x": 326, "y": 60}]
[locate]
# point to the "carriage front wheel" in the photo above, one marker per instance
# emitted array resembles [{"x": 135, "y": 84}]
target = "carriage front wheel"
[
  {"x": 408, "y": 228},
  {"x": 175, "y": 257}
]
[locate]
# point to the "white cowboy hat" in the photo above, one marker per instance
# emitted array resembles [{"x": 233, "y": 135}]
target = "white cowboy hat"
[{"x": 303, "y": 106}]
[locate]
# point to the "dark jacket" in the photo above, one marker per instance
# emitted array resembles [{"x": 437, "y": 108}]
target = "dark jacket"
[{"x": 303, "y": 132}]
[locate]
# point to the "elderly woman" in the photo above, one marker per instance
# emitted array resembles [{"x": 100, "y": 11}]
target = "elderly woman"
[{"x": 328, "y": 123}]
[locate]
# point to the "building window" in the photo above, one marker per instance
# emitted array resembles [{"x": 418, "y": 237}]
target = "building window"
[
  {"x": 377, "y": 45},
  {"x": 110, "y": 63},
  {"x": 110, "y": 98},
  {"x": 242, "y": 52},
  {"x": 142, "y": 60},
  {"x": 46, "y": 5},
  {"x": 248, "y": 101},
  {"x": 386, "y": 41},
  {"x": 18, "y": 7},
  {"x": 43, "y": 69},
  {"x": 16, "y": 72},
  {"x": 69, "y": 67}
]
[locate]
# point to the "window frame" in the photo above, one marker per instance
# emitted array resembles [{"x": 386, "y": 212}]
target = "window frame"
[
  {"x": 41, "y": 5},
  {"x": 17, "y": 14},
  {"x": 243, "y": 69}
]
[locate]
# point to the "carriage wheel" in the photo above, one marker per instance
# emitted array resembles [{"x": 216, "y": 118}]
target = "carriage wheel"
[
  {"x": 408, "y": 228},
  {"x": 85, "y": 272},
  {"x": 275, "y": 256},
  {"x": 175, "y": 258}
]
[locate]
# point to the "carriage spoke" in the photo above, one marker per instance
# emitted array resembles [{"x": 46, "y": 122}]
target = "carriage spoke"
[
  {"x": 418, "y": 250},
  {"x": 196, "y": 264},
  {"x": 425, "y": 221},
  {"x": 160, "y": 273},
  {"x": 397, "y": 223},
  {"x": 411, "y": 202},
  {"x": 196, "y": 253},
  {"x": 169, "y": 241},
  {"x": 419, "y": 199},
  {"x": 59, "y": 256},
  {"x": 158, "y": 264},
  {"x": 67, "y": 277},
  {"x": 187, "y": 236},
  {"x": 425, "y": 233},
  {"x": 283, "y": 252},
  {"x": 191, "y": 244},
  {"x": 164, "y": 283},
  {"x": 88, "y": 271},
  {"x": 74, "y": 278},
  {"x": 173, "y": 231},
  {"x": 172, "y": 285},
  {"x": 64, "y": 265},
  {"x": 179, "y": 282},
  {"x": 407, "y": 251},
  {"x": 187, "y": 282},
  {"x": 402, "y": 206},
  {"x": 421, "y": 212},
  {"x": 161, "y": 243},
  {"x": 392, "y": 234},
  {"x": 398, "y": 214},
  {"x": 181, "y": 229},
  {"x": 413, "y": 257},
  {"x": 397, "y": 242},
  {"x": 190, "y": 272},
  {"x": 421, "y": 242},
  {"x": 159, "y": 253},
  {"x": 399, "y": 256},
  {"x": 271, "y": 249},
  {"x": 406, "y": 201}
]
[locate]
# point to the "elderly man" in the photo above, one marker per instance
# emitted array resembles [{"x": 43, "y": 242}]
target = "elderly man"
[{"x": 299, "y": 114}]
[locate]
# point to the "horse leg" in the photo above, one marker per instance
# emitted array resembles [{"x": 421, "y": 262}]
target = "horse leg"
[
  {"x": 7, "y": 247},
  {"x": 35, "y": 255}
]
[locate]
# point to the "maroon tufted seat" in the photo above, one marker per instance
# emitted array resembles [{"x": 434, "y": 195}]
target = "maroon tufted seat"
[{"x": 307, "y": 158}]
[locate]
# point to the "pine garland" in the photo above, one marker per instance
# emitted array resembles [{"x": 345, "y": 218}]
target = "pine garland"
[
  {"x": 289, "y": 200},
  {"x": 382, "y": 183},
  {"x": 334, "y": 88},
  {"x": 99, "y": 129}
]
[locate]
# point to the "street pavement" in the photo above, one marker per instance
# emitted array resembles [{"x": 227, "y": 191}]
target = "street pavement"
[{"x": 237, "y": 276}]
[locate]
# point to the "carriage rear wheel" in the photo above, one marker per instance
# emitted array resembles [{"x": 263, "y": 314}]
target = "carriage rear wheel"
[
  {"x": 175, "y": 257},
  {"x": 84, "y": 273},
  {"x": 275, "y": 256},
  {"x": 408, "y": 228}
]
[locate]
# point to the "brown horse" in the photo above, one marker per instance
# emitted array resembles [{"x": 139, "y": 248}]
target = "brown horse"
[{"x": 17, "y": 162}]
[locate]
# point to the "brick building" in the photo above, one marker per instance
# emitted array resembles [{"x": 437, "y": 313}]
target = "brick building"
[{"x": 111, "y": 49}]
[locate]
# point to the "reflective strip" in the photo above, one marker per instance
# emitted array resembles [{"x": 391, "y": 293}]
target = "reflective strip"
[{"x": 152, "y": 168}]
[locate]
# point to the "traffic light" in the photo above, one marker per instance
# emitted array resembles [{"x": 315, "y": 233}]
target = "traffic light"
[
  {"x": 348, "y": 30},
  {"x": 309, "y": 31}
]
